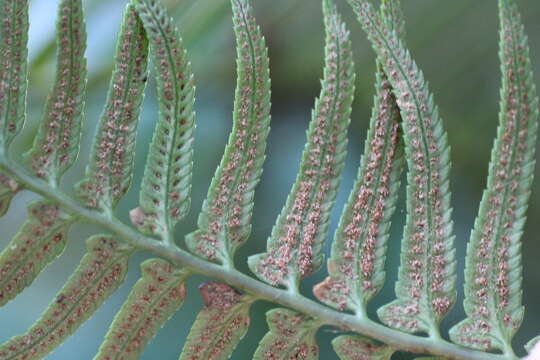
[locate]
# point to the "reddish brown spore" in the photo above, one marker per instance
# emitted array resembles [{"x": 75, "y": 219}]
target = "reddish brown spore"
[
  {"x": 12, "y": 75},
  {"x": 112, "y": 162},
  {"x": 229, "y": 211},
  {"x": 153, "y": 300},
  {"x": 300, "y": 225},
  {"x": 100, "y": 272},
  {"x": 428, "y": 225},
  {"x": 33, "y": 247}
]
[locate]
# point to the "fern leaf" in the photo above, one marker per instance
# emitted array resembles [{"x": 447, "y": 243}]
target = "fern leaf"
[
  {"x": 8, "y": 189},
  {"x": 356, "y": 264},
  {"x": 153, "y": 300},
  {"x": 426, "y": 284},
  {"x": 220, "y": 325},
  {"x": 166, "y": 187},
  {"x": 291, "y": 336},
  {"x": 295, "y": 245},
  {"x": 493, "y": 272},
  {"x": 353, "y": 347},
  {"x": 13, "y": 69},
  {"x": 41, "y": 239},
  {"x": 532, "y": 344},
  {"x": 225, "y": 221},
  {"x": 100, "y": 273},
  {"x": 57, "y": 142},
  {"x": 109, "y": 173}
]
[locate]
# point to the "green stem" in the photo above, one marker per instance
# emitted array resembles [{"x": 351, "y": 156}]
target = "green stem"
[{"x": 256, "y": 288}]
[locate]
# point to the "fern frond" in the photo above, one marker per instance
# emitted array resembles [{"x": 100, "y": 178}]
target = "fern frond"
[
  {"x": 13, "y": 69},
  {"x": 493, "y": 273},
  {"x": 291, "y": 336},
  {"x": 426, "y": 284},
  {"x": 294, "y": 249},
  {"x": 356, "y": 264},
  {"x": 354, "y": 347},
  {"x": 40, "y": 240},
  {"x": 166, "y": 185},
  {"x": 152, "y": 301},
  {"x": 109, "y": 173},
  {"x": 220, "y": 325},
  {"x": 225, "y": 221},
  {"x": 98, "y": 275},
  {"x": 8, "y": 189},
  {"x": 57, "y": 142}
]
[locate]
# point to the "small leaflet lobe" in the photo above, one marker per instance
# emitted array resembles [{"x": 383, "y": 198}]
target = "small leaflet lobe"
[
  {"x": 354, "y": 347},
  {"x": 426, "y": 282},
  {"x": 225, "y": 221},
  {"x": 13, "y": 69},
  {"x": 291, "y": 337},
  {"x": 57, "y": 142},
  {"x": 493, "y": 273},
  {"x": 39, "y": 241},
  {"x": 166, "y": 185},
  {"x": 294, "y": 249},
  {"x": 99, "y": 274},
  {"x": 109, "y": 173},
  {"x": 220, "y": 325},
  {"x": 152, "y": 301}
]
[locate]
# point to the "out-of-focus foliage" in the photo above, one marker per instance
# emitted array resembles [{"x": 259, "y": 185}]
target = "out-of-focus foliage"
[{"x": 454, "y": 42}]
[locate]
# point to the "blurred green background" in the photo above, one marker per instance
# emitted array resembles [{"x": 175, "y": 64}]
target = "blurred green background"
[{"x": 454, "y": 42}]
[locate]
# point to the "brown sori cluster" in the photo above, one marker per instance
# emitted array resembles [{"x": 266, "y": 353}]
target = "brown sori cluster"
[
  {"x": 41, "y": 239},
  {"x": 357, "y": 348},
  {"x": 428, "y": 223},
  {"x": 220, "y": 325},
  {"x": 13, "y": 70},
  {"x": 57, "y": 143},
  {"x": 101, "y": 271},
  {"x": 495, "y": 239},
  {"x": 8, "y": 189},
  {"x": 231, "y": 196},
  {"x": 354, "y": 258},
  {"x": 294, "y": 248},
  {"x": 167, "y": 179},
  {"x": 155, "y": 297},
  {"x": 290, "y": 333},
  {"x": 111, "y": 164}
]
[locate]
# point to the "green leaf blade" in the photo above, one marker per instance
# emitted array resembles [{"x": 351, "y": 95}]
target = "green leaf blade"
[
  {"x": 8, "y": 189},
  {"x": 225, "y": 221},
  {"x": 57, "y": 142},
  {"x": 110, "y": 171},
  {"x": 493, "y": 284},
  {"x": 41, "y": 239},
  {"x": 356, "y": 264},
  {"x": 13, "y": 69},
  {"x": 152, "y": 301},
  {"x": 355, "y": 347},
  {"x": 99, "y": 274},
  {"x": 294, "y": 249},
  {"x": 426, "y": 283},
  {"x": 291, "y": 336},
  {"x": 166, "y": 186},
  {"x": 220, "y": 325}
]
